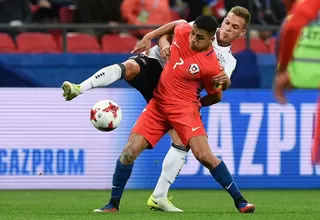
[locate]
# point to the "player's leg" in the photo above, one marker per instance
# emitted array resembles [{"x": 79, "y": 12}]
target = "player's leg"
[
  {"x": 190, "y": 129},
  {"x": 124, "y": 165},
  {"x": 148, "y": 130},
  {"x": 171, "y": 166},
  {"x": 104, "y": 77},
  {"x": 218, "y": 169}
]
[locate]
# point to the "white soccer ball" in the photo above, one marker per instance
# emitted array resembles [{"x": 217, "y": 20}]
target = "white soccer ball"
[{"x": 106, "y": 115}]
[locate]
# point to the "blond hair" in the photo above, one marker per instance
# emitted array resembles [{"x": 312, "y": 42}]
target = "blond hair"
[{"x": 242, "y": 13}]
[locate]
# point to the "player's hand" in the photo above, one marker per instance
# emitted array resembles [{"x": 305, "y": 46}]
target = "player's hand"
[
  {"x": 165, "y": 53},
  {"x": 221, "y": 78},
  {"x": 143, "y": 44},
  {"x": 281, "y": 84}
]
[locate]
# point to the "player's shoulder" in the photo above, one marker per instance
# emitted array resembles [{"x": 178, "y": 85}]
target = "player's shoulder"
[
  {"x": 182, "y": 26},
  {"x": 226, "y": 55},
  {"x": 210, "y": 60},
  {"x": 231, "y": 58}
]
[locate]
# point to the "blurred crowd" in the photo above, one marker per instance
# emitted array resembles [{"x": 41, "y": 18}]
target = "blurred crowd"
[{"x": 135, "y": 12}]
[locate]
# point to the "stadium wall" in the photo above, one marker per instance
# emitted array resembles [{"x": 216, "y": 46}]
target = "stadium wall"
[
  {"x": 47, "y": 143},
  {"x": 50, "y": 70}
]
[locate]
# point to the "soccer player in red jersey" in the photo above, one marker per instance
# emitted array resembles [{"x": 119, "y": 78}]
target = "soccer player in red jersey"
[
  {"x": 176, "y": 104},
  {"x": 300, "y": 14},
  {"x": 302, "y": 22}
]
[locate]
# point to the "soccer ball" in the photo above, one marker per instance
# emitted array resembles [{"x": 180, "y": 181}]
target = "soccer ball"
[{"x": 106, "y": 115}]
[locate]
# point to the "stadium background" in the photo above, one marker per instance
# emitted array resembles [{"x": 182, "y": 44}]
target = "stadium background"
[{"x": 265, "y": 145}]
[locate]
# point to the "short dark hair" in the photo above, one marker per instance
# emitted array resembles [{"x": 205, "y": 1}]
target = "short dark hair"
[{"x": 207, "y": 23}]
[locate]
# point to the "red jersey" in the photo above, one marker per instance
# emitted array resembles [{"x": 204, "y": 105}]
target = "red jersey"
[
  {"x": 300, "y": 15},
  {"x": 187, "y": 72}
]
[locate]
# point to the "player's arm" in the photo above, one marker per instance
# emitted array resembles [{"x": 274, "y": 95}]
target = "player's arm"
[
  {"x": 165, "y": 29},
  {"x": 224, "y": 78},
  {"x": 145, "y": 42},
  {"x": 165, "y": 40},
  {"x": 211, "y": 99},
  {"x": 302, "y": 13},
  {"x": 164, "y": 43},
  {"x": 226, "y": 85},
  {"x": 214, "y": 90}
]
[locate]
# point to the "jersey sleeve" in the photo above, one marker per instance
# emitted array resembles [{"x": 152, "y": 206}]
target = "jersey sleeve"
[
  {"x": 208, "y": 84},
  {"x": 302, "y": 13},
  {"x": 230, "y": 66}
]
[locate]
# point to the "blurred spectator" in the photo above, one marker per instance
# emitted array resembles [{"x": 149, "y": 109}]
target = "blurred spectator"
[
  {"x": 288, "y": 4},
  {"x": 195, "y": 8},
  {"x": 172, "y": 3},
  {"x": 217, "y": 9},
  {"x": 48, "y": 10},
  {"x": 263, "y": 12},
  {"x": 14, "y": 12},
  {"x": 146, "y": 12},
  {"x": 98, "y": 11}
]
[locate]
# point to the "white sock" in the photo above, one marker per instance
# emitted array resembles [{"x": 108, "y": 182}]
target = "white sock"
[
  {"x": 103, "y": 77},
  {"x": 171, "y": 166}
]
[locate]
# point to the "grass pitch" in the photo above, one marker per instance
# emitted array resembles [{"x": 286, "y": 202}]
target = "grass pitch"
[{"x": 197, "y": 204}]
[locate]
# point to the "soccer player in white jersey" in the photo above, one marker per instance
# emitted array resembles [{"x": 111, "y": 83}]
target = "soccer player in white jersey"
[{"x": 143, "y": 72}]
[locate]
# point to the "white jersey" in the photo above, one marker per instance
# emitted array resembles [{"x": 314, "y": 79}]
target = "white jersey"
[{"x": 224, "y": 56}]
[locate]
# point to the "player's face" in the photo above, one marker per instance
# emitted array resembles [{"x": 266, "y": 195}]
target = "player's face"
[
  {"x": 231, "y": 28},
  {"x": 200, "y": 40}
]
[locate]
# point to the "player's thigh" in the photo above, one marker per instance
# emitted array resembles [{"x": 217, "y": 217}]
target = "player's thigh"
[
  {"x": 200, "y": 148},
  {"x": 151, "y": 124},
  {"x": 136, "y": 65},
  {"x": 136, "y": 144},
  {"x": 175, "y": 138},
  {"x": 187, "y": 124},
  {"x": 146, "y": 80}
]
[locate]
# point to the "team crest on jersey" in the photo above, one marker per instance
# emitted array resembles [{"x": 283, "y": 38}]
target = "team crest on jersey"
[
  {"x": 221, "y": 58},
  {"x": 194, "y": 69}
]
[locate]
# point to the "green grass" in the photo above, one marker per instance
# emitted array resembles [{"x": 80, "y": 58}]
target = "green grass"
[{"x": 197, "y": 204}]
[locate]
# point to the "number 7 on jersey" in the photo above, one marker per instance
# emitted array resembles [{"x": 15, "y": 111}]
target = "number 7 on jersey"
[{"x": 178, "y": 63}]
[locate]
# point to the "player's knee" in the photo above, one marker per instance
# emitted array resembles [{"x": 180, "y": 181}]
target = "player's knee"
[
  {"x": 132, "y": 150},
  {"x": 205, "y": 159},
  {"x": 200, "y": 156},
  {"x": 132, "y": 69},
  {"x": 128, "y": 156}
]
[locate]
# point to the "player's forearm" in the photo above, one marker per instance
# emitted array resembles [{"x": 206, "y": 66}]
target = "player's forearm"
[
  {"x": 226, "y": 85},
  {"x": 211, "y": 99},
  {"x": 165, "y": 41},
  {"x": 165, "y": 29}
]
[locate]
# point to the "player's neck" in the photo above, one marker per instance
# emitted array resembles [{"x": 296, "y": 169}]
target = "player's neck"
[
  {"x": 207, "y": 49},
  {"x": 220, "y": 43}
]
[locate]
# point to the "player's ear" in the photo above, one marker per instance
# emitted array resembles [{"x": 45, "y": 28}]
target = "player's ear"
[
  {"x": 243, "y": 32},
  {"x": 212, "y": 39}
]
